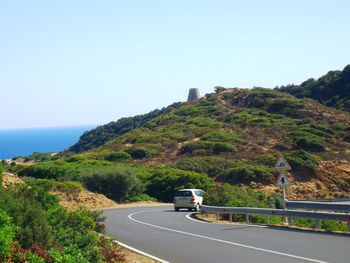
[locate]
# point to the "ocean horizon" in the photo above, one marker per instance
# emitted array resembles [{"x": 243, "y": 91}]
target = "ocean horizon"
[{"x": 23, "y": 142}]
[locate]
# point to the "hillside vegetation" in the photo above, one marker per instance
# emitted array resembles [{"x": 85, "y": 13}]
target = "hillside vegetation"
[
  {"x": 100, "y": 135},
  {"x": 34, "y": 227},
  {"x": 332, "y": 89},
  {"x": 231, "y": 136}
]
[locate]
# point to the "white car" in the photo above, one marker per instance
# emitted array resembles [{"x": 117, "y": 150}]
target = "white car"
[{"x": 188, "y": 198}]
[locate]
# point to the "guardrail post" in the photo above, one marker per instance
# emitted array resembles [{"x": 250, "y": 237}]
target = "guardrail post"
[
  {"x": 267, "y": 220},
  {"x": 217, "y": 216},
  {"x": 247, "y": 218},
  {"x": 318, "y": 224},
  {"x": 230, "y": 215},
  {"x": 349, "y": 226},
  {"x": 290, "y": 220}
]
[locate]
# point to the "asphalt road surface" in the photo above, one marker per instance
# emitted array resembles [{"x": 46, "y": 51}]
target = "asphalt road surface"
[{"x": 174, "y": 237}]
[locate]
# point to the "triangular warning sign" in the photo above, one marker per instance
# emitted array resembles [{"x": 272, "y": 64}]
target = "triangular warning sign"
[
  {"x": 282, "y": 180},
  {"x": 282, "y": 164}
]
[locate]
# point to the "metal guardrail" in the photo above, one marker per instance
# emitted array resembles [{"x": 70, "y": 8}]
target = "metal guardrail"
[
  {"x": 326, "y": 206},
  {"x": 290, "y": 214}
]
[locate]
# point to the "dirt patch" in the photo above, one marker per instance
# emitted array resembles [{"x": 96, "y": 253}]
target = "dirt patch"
[
  {"x": 132, "y": 257},
  {"x": 332, "y": 180},
  {"x": 93, "y": 201},
  {"x": 10, "y": 178},
  {"x": 89, "y": 200}
]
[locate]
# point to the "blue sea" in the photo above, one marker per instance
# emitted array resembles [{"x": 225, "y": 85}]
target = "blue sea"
[{"x": 22, "y": 142}]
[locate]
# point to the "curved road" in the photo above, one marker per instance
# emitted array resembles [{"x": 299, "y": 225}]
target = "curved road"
[{"x": 174, "y": 237}]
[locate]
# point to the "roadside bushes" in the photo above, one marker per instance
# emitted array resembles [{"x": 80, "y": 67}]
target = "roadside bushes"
[
  {"x": 7, "y": 234},
  {"x": 163, "y": 182},
  {"x": 235, "y": 196},
  {"x": 120, "y": 183},
  {"x": 246, "y": 173}
]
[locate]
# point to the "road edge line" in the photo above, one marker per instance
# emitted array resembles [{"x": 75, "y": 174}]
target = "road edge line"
[{"x": 141, "y": 252}]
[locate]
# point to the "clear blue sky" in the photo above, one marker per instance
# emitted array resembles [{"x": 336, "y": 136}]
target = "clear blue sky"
[{"x": 91, "y": 62}]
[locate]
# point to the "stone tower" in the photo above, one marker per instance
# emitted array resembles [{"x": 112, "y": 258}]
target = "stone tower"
[{"x": 193, "y": 95}]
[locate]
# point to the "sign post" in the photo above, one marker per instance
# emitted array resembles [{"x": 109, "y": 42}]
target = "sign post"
[{"x": 282, "y": 181}]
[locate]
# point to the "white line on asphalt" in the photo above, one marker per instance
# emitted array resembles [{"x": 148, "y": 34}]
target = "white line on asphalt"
[
  {"x": 143, "y": 253},
  {"x": 188, "y": 216},
  {"x": 130, "y": 216}
]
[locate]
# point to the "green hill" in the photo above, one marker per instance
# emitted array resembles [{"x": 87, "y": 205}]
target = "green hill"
[
  {"x": 231, "y": 136},
  {"x": 102, "y": 134},
  {"x": 332, "y": 89}
]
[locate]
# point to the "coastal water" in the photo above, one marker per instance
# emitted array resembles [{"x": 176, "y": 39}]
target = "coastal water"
[{"x": 22, "y": 142}]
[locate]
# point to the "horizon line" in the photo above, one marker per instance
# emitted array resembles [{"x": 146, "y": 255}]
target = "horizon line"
[{"x": 48, "y": 127}]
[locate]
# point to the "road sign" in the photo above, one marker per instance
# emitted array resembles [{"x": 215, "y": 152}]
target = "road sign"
[
  {"x": 282, "y": 164},
  {"x": 282, "y": 180}
]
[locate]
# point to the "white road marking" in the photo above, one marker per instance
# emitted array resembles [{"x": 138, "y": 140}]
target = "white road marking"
[
  {"x": 143, "y": 253},
  {"x": 130, "y": 216}
]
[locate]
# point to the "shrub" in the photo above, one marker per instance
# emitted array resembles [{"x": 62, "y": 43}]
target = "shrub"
[
  {"x": 163, "y": 182},
  {"x": 117, "y": 156},
  {"x": 140, "y": 153},
  {"x": 232, "y": 195},
  {"x": 24, "y": 206},
  {"x": 49, "y": 184},
  {"x": 75, "y": 232},
  {"x": 245, "y": 173},
  {"x": 280, "y": 104},
  {"x": 302, "y": 160},
  {"x": 119, "y": 184},
  {"x": 222, "y": 137},
  {"x": 7, "y": 234},
  {"x": 214, "y": 147},
  {"x": 308, "y": 141},
  {"x": 212, "y": 166}
]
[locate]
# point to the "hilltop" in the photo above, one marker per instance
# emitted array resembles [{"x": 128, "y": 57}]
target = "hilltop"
[{"x": 332, "y": 89}]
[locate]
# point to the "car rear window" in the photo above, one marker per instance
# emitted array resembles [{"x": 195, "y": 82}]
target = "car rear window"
[
  {"x": 183, "y": 193},
  {"x": 199, "y": 193}
]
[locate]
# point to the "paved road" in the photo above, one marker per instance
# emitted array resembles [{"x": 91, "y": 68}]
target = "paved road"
[{"x": 173, "y": 237}]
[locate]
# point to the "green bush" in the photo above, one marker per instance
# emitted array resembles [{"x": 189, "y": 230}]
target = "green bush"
[
  {"x": 211, "y": 147},
  {"x": 28, "y": 215},
  {"x": 119, "y": 184},
  {"x": 50, "y": 184},
  {"x": 7, "y": 234},
  {"x": 280, "y": 104},
  {"x": 302, "y": 160},
  {"x": 222, "y": 137},
  {"x": 212, "y": 166},
  {"x": 235, "y": 196},
  {"x": 117, "y": 156},
  {"x": 140, "y": 153},
  {"x": 75, "y": 232},
  {"x": 307, "y": 141},
  {"x": 245, "y": 173},
  {"x": 163, "y": 182}
]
